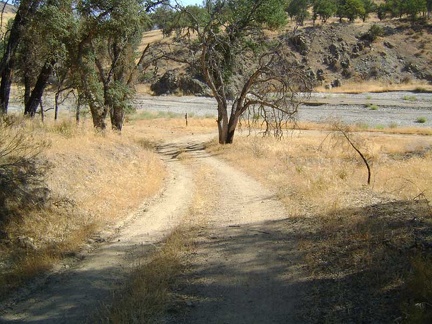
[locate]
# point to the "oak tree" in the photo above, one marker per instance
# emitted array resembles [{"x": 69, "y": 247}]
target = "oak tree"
[{"x": 245, "y": 69}]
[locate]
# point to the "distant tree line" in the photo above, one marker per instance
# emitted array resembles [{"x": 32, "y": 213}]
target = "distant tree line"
[{"x": 300, "y": 10}]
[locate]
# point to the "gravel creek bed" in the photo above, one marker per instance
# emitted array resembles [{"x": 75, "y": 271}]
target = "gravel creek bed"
[
  {"x": 390, "y": 109},
  {"x": 374, "y": 110}
]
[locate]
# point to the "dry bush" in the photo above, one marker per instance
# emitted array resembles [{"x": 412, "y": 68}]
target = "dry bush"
[
  {"x": 357, "y": 240},
  {"x": 22, "y": 170}
]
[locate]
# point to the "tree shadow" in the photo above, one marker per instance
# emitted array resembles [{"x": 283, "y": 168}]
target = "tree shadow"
[{"x": 348, "y": 266}]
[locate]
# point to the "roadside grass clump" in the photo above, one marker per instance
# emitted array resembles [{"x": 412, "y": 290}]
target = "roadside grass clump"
[
  {"x": 371, "y": 106},
  {"x": 149, "y": 290},
  {"x": 393, "y": 125},
  {"x": 357, "y": 240},
  {"x": 409, "y": 98},
  {"x": 421, "y": 120}
]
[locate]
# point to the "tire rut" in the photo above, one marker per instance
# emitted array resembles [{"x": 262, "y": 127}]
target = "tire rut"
[{"x": 245, "y": 268}]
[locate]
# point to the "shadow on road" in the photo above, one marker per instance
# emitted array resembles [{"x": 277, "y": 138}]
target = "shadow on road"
[{"x": 344, "y": 268}]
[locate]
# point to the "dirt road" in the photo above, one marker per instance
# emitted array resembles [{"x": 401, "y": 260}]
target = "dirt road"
[{"x": 241, "y": 272}]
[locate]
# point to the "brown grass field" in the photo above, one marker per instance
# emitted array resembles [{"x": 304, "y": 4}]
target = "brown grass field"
[{"x": 358, "y": 240}]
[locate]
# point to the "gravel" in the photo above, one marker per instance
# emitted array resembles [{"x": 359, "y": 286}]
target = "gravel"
[{"x": 390, "y": 109}]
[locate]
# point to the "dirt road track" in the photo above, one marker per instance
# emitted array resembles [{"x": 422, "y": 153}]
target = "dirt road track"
[
  {"x": 70, "y": 296},
  {"x": 242, "y": 271}
]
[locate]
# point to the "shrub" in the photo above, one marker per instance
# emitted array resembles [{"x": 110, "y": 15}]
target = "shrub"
[
  {"x": 421, "y": 120},
  {"x": 409, "y": 98},
  {"x": 374, "y": 32},
  {"x": 372, "y": 106}
]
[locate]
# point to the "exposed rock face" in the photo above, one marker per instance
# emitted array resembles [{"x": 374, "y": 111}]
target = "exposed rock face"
[
  {"x": 167, "y": 84},
  {"x": 342, "y": 51},
  {"x": 172, "y": 82}
]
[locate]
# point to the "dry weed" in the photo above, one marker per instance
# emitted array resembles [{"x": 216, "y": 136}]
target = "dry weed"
[{"x": 148, "y": 293}]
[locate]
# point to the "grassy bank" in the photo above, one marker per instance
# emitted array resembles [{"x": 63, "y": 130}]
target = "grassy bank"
[{"x": 77, "y": 184}]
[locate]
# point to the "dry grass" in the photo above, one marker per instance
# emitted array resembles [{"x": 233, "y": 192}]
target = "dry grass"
[
  {"x": 148, "y": 293},
  {"x": 95, "y": 181},
  {"x": 357, "y": 240},
  {"x": 374, "y": 86}
]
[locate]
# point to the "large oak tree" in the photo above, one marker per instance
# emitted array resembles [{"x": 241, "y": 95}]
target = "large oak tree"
[{"x": 245, "y": 69}]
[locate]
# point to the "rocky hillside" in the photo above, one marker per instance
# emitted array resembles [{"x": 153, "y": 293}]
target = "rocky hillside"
[{"x": 391, "y": 53}]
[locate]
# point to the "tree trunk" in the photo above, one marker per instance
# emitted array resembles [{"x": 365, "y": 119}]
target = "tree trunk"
[
  {"x": 232, "y": 125},
  {"x": 25, "y": 10},
  {"x": 117, "y": 118},
  {"x": 5, "y": 88},
  {"x": 98, "y": 116},
  {"x": 222, "y": 123},
  {"x": 56, "y": 104},
  {"x": 36, "y": 95}
]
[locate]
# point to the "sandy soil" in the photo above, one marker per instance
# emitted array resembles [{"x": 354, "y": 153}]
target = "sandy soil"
[{"x": 242, "y": 270}]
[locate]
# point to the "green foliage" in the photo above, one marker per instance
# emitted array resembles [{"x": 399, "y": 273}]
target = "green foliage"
[
  {"x": 298, "y": 9},
  {"x": 372, "y": 106},
  {"x": 109, "y": 44},
  {"x": 324, "y": 9},
  {"x": 411, "y": 8},
  {"x": 354, "y": 9},
  {"x": 369, "y": 7},
  {"x": 421, "y": 120},
  {"x": 374, "y": 32}
]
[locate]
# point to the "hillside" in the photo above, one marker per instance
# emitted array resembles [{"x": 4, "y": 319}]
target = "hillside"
[
  {"x": 344, "y": 56},
  {"x": 8, "y": 8},
  {"x": 399, "y": 55}
]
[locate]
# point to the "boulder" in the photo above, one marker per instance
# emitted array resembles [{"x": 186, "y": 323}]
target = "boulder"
[{"x": 167, "y": 84}]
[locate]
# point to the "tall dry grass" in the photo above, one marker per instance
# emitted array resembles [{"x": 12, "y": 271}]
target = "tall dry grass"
[{"x": 94, "y": 181}]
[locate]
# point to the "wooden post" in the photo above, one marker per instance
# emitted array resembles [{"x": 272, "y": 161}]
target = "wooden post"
[{"x": 186, "y": 119}]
